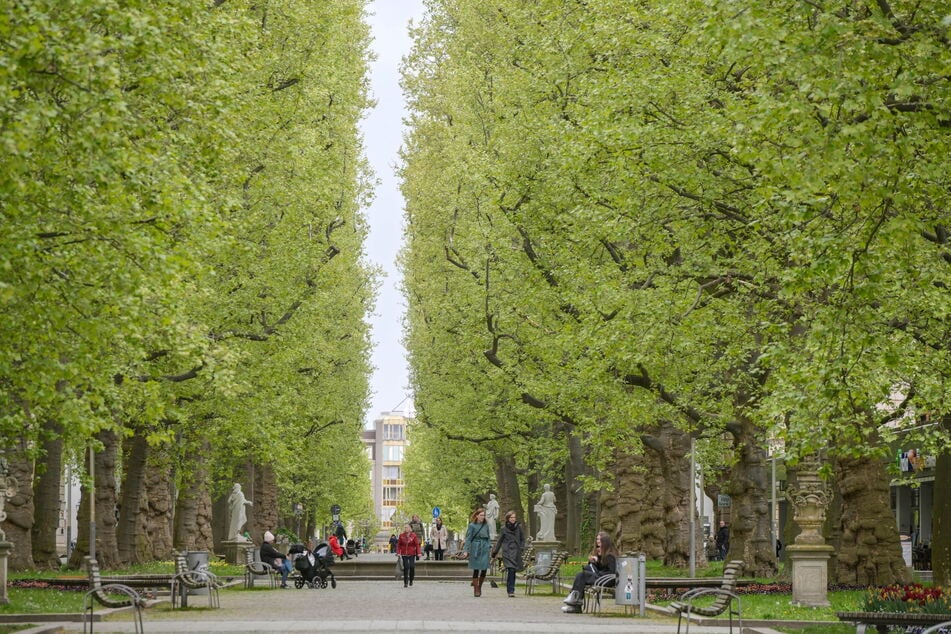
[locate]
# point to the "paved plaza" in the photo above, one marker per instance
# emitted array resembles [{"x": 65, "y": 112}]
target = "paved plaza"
[{"x": 382, "y": 606}]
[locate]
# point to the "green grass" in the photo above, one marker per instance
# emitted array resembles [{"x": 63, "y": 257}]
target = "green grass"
[
  {"x": 779, "y": 606},
  {"x": 58, "y": 601},
  {"x": 42, "y": 601},
  {"x": 155, "y": 567},
  {"x": 10, "y": 628}
]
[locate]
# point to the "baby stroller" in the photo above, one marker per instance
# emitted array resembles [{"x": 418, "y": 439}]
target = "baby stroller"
[{"x": 314, "y": 567}]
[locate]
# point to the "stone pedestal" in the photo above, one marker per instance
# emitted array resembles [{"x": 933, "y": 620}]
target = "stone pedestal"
[
  {"x": 810, "y": 574},
  {"x": 5, "y": 548},
  {"x": 234, "y": 551},
  {"x": 810, "y": 554},
  {"x": 548, "y": 545}
]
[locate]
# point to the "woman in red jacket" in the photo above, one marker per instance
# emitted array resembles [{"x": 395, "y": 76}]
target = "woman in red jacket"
[{"x": 407, "y": 548}]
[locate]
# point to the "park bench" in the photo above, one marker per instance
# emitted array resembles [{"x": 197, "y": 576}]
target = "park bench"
[
  {"x": 881, "y": 621},
  {"x": 186, "y": 579},
  {"x": 110, "y": 595},
  {"x": 528, "y": 554},
  {"x": 724, "y": 595},
  {"x": 603, "y": 587},
  {"x": 254, "y": 568},
  {"x": 546, "y": 571}
]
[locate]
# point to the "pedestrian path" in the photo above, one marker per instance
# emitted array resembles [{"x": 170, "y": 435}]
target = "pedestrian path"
[{"x": 383, "y": 606}]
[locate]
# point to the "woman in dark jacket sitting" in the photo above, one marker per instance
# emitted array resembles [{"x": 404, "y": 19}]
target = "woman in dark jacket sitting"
[
  {"x": 602, "y": 561},
  {"x": 275, "y": 558}
]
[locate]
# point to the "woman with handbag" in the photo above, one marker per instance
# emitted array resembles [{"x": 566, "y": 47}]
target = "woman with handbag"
[
  {"x": 602, "y": 561},
  {"x": 477, "y": 544},
  {"x": 511, "y": 543},
  {"x": 407, "y": 548}
]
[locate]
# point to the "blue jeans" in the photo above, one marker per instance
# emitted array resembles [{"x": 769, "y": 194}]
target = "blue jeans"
[
  {"x": 510, "y": 580},
  {"x": 284, "y": 569}
]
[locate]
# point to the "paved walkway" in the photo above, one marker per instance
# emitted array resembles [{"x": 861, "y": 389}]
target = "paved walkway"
[{"x": 381, "y": 606}]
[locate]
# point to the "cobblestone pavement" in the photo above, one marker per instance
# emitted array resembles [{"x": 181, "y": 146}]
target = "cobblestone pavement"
[{"x": 381, "y": 606}]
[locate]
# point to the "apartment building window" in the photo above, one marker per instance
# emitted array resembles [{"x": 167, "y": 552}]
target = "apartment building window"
[
  {"x": 392, "y": 493},
  {"x": 393, "y": 453},
  {"x": 394, "y": 432}
]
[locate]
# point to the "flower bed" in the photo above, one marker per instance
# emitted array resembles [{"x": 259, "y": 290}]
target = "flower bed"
[
  {"x": 910, "y": 599},
  {"x": 912, "y": 606}
]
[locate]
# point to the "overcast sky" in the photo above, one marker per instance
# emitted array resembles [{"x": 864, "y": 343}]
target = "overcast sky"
[{"x": 382, "y": 131}]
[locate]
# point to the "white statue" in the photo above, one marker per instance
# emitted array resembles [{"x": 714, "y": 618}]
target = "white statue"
[
  {"x": 492, "y": 516},
  {"x": 546, "y": 516},
  {"x": 237, "y": 514}
]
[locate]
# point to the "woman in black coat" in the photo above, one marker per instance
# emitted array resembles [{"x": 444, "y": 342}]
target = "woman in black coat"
[
  {"x": 602, "y": 561},
  {"x": 511, "y": 543}
]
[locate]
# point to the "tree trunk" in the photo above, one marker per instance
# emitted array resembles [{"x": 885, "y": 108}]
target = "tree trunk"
[
  {"x": 158, "y": 508},
  {"x": 575, "y": 507},
  {"x": 867, "y": 551},
  {"x": 633, "y": 513},
  {"x": 263, "y": 515},
  {"x": 20, "y": 513},
  {"x": 193, "y": 509},
  {"x": 532, "y": 484},
  {"x": 129, "y": 526},
  {"x": 941, "y": 517},
  {"x": 750, "y": 534},
  {"x": 107, "y": 552},
  {"x": 48, "y": 489},
  {"x": 506, "y": 483},
  {"x": 674, "y": 460}
]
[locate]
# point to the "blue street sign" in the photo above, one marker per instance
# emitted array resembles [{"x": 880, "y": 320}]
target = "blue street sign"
[{"x": 436, "y": 512}]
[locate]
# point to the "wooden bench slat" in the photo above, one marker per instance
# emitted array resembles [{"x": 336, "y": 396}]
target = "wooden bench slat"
[{"x": 725, "y": 596}]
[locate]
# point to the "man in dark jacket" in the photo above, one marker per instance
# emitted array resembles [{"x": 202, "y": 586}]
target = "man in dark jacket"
[
  {"x": 723, "y": 540},
  {"x": 341, "y": 534}
]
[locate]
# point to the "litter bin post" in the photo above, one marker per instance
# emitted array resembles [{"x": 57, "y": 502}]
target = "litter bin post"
[
  {"x": 197, "y": 560},
  {"x": 631, "y": 583}
]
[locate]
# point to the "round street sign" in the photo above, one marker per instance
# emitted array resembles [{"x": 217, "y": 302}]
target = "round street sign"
[{"x": 436, "y": 512}]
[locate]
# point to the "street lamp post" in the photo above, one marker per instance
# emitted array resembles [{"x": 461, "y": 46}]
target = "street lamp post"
[{"x": 298, "y": 514}]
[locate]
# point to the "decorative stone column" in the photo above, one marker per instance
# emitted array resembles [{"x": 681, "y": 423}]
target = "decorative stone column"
[
  {"x": 8, "y": 488},
  {"x": 809, "y": 554}
]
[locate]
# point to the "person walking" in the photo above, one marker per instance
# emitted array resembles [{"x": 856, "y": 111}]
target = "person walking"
[
  {"x": 274, "y": 558},
  {"x": 723, "y": 540},
  {"x": 341, "y": 534},
  {"x": 477, "y": 544},
  {"x": 439, "y": 537},
  {"x": 407, "y": 548},
  {"x": 510, "y": 544},
  {"x": 601, "y": 561},
  {"x": 417, "y": 525}
]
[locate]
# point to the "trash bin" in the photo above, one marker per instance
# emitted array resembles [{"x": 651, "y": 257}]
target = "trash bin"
[
  {"x": 197, "y": 560},
  {"x": 631, "y": 587}
]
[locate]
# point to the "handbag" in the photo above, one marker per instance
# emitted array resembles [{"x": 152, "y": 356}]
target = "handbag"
[{"x": 399, "y": 566}]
